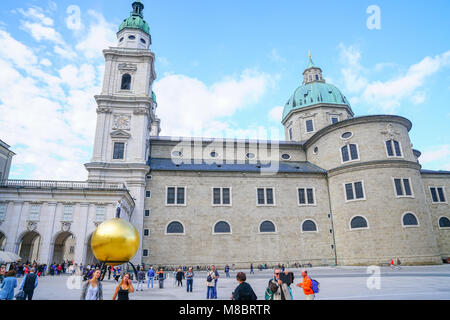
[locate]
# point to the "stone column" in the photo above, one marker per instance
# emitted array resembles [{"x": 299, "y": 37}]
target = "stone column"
[{"x": 80, "y": 247}]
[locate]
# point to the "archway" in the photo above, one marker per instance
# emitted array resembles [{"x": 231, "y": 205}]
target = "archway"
[
  {"x": 29, "y": 246},
  {"x": 2, "y": 241},
  {"x": 64, "y": 247},
  {"x": 90, "y": 258}
]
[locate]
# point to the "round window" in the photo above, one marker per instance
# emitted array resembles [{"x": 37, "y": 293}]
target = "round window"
[
  {"x": 285, "y": 156},
  {"x": 250, "y": 156},
  {"x": 131, "y": 37},
  {"x": 177, "y": 154},
  {"x": 214, "y": 154},
  {"x": 347, "y": 135}
]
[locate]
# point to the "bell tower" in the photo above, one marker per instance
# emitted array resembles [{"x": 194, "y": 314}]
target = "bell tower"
[{"x": 126, "y": 114}]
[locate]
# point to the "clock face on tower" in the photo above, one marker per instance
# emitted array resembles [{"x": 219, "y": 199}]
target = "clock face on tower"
[{"x": 121, "y": 121}]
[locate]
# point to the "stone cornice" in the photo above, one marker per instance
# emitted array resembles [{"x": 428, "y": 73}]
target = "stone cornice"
[
  {"x": 123, "y": 99},
  {"x": 127, "y": 52},
  {"x": 316, "y": 106},
  {"x": 374, "y": 164},
  {"x": 358, "y": 120}
]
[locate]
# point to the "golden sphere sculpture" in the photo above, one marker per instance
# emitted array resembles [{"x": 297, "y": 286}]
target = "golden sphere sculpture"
[{"x": 115, "y": 242}]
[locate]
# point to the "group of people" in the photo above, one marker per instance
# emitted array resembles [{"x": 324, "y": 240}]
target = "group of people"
[{"x": 26, "y": 289}]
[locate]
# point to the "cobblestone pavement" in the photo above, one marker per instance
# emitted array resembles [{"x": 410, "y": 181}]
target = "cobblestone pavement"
[{"x": 408, "y": 283}]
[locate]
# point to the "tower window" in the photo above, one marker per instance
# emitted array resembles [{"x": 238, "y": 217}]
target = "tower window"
[
  {"x": 131, "y": 37},
  {"x": 309, "y": 126},
  {"x": 349, "y": 153},
  {"x": 403, "y": 187},
  {"x": 391, "y": 146},
  {"x": 317, "y": 77},
  {"x": 143, "y": 41},
  {"x": 126, "y": 82},
  {"x": 119, "y": 150}
]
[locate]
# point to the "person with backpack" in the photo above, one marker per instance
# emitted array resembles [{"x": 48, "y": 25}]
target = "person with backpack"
[
  {"x": 29, "y": 283},
  {"x": 310, "y": 287},
  {"x": 243, "y": 291}
]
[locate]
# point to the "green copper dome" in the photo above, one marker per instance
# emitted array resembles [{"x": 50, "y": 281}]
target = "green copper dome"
[
  {"x": 136, "y": 19},
  {"x": 313, "y": 93}
]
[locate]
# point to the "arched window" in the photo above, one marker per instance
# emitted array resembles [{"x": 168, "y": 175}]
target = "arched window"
[
  {"x": 444, "y": 222},
  {"x": 358, "y": 223},
  {"x": 175, "y": 227},
  {"x": 309, "y": 226},
  {"x": 409, "y": 220},
  {"x": 393, "y": 148},
  {"x": 222, "y": 227},
  {"x": 126, "y": 82},
  {"x": 267, "y": 226}
]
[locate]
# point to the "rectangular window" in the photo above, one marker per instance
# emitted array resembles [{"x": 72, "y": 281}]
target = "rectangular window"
[
  {"x": 176, "y": 196},
  {"x": 147, "y": 213},
  {"x": 437, "y": 194},
  {"x": 261, "y": 199},
  {"x": 309, "y": 126},
  {"x": 403, "y": 187},
  {"x": 334, "y": 120},
  {"x": 290, "y": 134},
  {"x": 349, "y": 152},
  {"x": 68, "y": 212},
  {"x": 170, "y": 195},
  {"x": 393, "y": 146},
  {"x": 147, "y": 194},
  {"x": 226, "y": 199},
  {"x": 306, "y": 196},
  {"x": 100, "y": 214},
  {"x": 216, "y": 196},
  {"x": 145, "y": 253},
  {"x": 265, "y": 196},
  {"x": 2, "y": 211},
  {"x": 221, "y": 196},
  {"x": 119, "y": 149},
  {"x": 34, "y": 212},
  {"x": 354, "y": 191},
  {"x": 146, "y": 232}
]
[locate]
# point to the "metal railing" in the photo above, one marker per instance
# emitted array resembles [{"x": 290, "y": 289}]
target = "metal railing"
[{"x": 68, "y": 185}]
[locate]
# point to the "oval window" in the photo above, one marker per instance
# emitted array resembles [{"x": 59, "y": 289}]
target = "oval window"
[
  {"x": 316, "y": 150},
  {"x": 177, "y": 154},
  {"x": 250, "y": 156},
  {"x": 347, "y": 135},
  {"x": 131, "y": 37},
  {"x": 214, "y": 154},
  {"x": 121, "y": 39},
  {"x": 285, "y": 156},
  {"x": 143, "y": 41}
]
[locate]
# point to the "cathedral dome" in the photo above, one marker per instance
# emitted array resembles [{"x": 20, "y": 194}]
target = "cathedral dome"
[
  {"x": 314, "y": 91},
  {"x": 136, "y": 19}
]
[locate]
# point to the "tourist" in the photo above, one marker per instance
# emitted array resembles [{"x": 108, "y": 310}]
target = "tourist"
[
  {"x": 8, "y": 285},
  {"x": 243, "y": 291},
  {"x": 398, "y": 263},
  {"x": 92, "y": 289},
  {"x": 227, "y": 271},
  {"x": 150, "y": 276},
  {"x": 307, "y": 285},
  {"x": 118, "y": 208},
  {"x": 211, "y": 283},
  {"x": 140, "y": 279},
  {"x": 109, "y": 272},
  {"x": 160, "y": 274},
  {"x": 392, "y": 264},
  {"x": 189, "y": 275},
  {"x": 251, "y": 269},
  {"x": 29, "y": 283},
  {"x": 277, "y": 289},
  {"x": 124, "y": 288},
  {"x": 2, "y": 273},
  {"x": 179, "y": 276}
]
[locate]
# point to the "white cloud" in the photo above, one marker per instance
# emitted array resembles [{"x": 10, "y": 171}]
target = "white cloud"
[
  {"x": 203, "y": 106},
  {"x": 40, "y": 32},
  {"x": 436, "y": 157},
  {"x": 275, "y": 114},
  {"x": 45, "y": 62},
  {"x": 390, "y": 94},
  {"x": 101, "y": 35},
  {"x": 37, "y": 14}
]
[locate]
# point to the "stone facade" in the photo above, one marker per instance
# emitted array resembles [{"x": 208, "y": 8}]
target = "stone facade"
[{"x": 5, "y": 160}]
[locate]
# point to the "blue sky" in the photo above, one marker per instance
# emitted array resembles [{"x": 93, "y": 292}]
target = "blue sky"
[{"x": 225, "y": 68}]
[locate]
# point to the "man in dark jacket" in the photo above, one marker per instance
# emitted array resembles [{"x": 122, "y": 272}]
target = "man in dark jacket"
[
  {"x": 243, "y": 291},
  {"x": 29, "y": 283}
]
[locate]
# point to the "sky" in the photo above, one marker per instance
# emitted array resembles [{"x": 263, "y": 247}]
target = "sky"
[{"x": 224, "y": 69}]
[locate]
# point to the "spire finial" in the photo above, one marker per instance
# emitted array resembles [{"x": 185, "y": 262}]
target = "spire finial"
[{"x": 309, "y": 54}]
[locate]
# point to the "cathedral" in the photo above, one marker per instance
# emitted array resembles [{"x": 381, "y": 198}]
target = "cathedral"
[{"x": 339, "y": 190}]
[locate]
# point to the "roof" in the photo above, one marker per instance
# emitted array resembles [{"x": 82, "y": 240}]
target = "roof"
[
  {"x": 160, "y": 164},
  {"x": 136, "y": 19},
  {"x": 314, "y": 93},
  {"x": 426, "y": 171}
]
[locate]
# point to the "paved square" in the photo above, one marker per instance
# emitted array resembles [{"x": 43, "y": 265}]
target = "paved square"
[{"x": 409, "y": 283}]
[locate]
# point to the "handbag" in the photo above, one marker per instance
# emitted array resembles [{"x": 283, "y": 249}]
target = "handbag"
[{"x": 20, "y": 295}]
